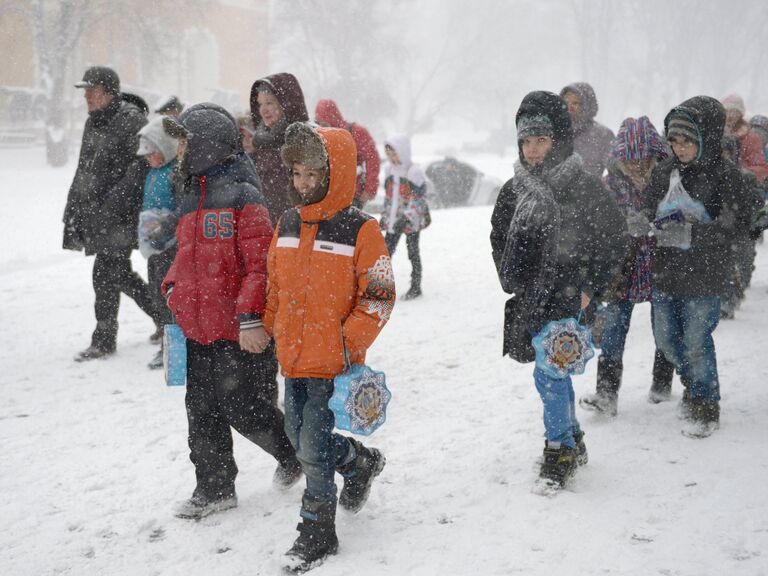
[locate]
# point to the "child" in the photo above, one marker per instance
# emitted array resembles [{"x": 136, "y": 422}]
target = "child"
[
  {"x": 557, "y": 239},
  {"x": 216, "y": 289},
  {"x": 157, "y": 219},
  {"x": 405, "y": 207},
  {"x": 693, "y": 256},
  {"x": 635, "y": 151},
  {"x": 331, "y": 290}
]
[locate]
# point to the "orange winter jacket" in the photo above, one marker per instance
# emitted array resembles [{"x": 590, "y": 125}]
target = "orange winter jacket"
[{"x": 330, "y": 275}]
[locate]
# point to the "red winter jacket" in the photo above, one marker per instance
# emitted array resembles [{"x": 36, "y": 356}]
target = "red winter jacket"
[
  {"x": 327, "y": 113},
  {"x": 218, "y": 281}
]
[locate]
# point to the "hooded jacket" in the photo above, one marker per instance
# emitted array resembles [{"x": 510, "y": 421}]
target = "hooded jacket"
[
  {"x": 267, "y": 141},
  {"x": 218, "y": 281},
  {"x": 104, "y": 200},
  {"x": 555, "y": 234},
  {"x": 591, "y": 140},
  {"x": 330, "y": 275},
  {"x": 705, "y": 267},
  {"x": 368, "y": 161},
  {"x": 405, "y": 203}
]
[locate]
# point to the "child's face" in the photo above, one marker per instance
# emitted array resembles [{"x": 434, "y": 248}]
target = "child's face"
[
  {"x": 638, "y": 169},
  {"x": 269, "y": 108},
  {"x": 536, "y": 148},
  {"x": 685, "y": 150},
  {"x": 392, "y": 155},
  {"x": 156, "y": 159},
  {"x": 307, "y": 180}
]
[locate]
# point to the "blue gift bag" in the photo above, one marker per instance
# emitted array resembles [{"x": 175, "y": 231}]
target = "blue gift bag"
[
  {"x": 360, "y": 398},
  {"x": 563, "y": 348},
  {"x": 174, "y": 355}
]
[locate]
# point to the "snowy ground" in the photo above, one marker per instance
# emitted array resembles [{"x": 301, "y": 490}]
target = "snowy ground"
[{"x": 94, "y": 455}]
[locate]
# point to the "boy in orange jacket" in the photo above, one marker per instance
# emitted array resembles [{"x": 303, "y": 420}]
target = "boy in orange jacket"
[{"x": 331, "y": 290}]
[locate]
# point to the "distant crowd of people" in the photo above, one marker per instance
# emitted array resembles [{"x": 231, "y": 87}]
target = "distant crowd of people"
[{"x": 258, "y": 247}]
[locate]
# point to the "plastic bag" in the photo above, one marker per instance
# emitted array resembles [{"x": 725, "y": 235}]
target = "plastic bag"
[
  {"x": 157, "y": 231},
  {"x": 677, "y": 200}
]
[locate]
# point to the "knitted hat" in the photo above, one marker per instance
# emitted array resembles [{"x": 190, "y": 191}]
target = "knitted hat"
[
  {"x": 153, "y": 138},
  {"x": 534, "y": 125},
  {"x": 759, "y": 121},
  {"x": 100, "y": 76},
  {"x": 303, "y": 145},
  {"x": 734, "y": 102},
  {"x": 683, "y": 126}
]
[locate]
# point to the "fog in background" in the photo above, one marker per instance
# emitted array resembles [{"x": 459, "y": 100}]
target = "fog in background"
[{"x": 427, "y": 65}]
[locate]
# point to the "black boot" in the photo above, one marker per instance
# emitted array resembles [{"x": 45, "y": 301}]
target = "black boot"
[
  {"x": 606, "y": 397},
  {"x": 703, "y": 418},
  {"x": 663, "y": 370},
  {"x": 358, "y": 476},
  {"x": 317, "y": 536},
  {"x": 684, "y": 407},
  {"x": 557, "y": 468},
  {"x": 582, "y": 457}
]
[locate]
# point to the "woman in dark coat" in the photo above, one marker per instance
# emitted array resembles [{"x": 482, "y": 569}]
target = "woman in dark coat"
[
  {"x": 557, "y": 239},
  {"x": 276, "y": 102}
]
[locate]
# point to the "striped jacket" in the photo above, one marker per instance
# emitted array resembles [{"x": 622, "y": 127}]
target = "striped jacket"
[{"x": 330, "y": 276}]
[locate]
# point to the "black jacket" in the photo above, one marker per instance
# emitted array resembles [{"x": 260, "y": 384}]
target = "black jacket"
[
  {"x": 584, "y": 225},
  {"x": 705, "y": 267},
  {"x": 104, "y": 201}
]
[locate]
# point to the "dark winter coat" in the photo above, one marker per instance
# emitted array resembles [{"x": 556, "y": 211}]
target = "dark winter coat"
[
  {"x": 591, "y": 140},
  {"x": 218, "y": 281},
  {"x": 275, "y": 177},
  {"x": 104, "y": 201},
  {"x": 555, "y": 234},
  {"x": 705, "y": 267}
]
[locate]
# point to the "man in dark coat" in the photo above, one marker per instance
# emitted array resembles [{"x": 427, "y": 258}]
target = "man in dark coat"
[
  {"x": 697, "y": 201},
  {"x": 591, "y": 140},
  {"x": 104, "y": 201}
]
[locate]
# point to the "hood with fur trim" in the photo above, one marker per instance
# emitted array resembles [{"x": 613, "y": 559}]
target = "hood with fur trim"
[{"x": 342, "y": 162}]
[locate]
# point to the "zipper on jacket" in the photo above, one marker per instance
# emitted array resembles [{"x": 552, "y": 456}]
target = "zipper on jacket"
[{"x": 200, "y": 203}]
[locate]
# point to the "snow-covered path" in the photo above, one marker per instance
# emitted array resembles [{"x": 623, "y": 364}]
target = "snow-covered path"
[{"x": 94, "y": 455}]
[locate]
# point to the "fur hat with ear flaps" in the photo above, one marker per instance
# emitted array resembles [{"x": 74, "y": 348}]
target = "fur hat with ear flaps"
[{"x": 303, "y": 145}]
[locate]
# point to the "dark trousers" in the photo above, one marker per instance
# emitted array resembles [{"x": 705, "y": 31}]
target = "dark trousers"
[
  {"x": 227, "y": 386},
  {"x": 157, "y": 267},
  {"x": 412, "y": 244},
  {"x": 113, "y": 274}
]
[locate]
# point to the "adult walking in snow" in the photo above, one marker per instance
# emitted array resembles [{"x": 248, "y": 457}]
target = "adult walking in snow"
[
  {"x": 636, "y": 150},
  {"x": 102, "y": 211},
  {"x": 557, "y": 240},
  {"x": 216, "y": 289},
  {"x": 405, "y": 206},
  {"x": 751, "y": 149},
  {"x": 325, "y": 308},
  {"x": 327, "y": 113},
  {"x": 698, "y": 196},
  {"x": 276, "y": 102},
  {"x": 591, "y": 140}
]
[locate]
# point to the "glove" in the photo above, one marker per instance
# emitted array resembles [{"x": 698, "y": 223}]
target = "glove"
[
  {"x": 674, "y": 236},
  {"x": 638, "y": 225}
]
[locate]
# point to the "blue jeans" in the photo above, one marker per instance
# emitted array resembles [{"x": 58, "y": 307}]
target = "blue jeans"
[
  {"x": 617, "y": 317},
  {"x": 683, "y": 330},
  {"x": 560, "y": 422},
  {"x": 309, "y": 426}
]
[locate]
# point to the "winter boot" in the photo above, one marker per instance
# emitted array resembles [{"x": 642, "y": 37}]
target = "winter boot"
[
  {"x": 703, "y": 419},
  {"x": 287, "y": 474},
  {"x": 157, "y": 362},
  {"x": 413, "y": 292},
  {"x": 317, "y": 536},
  {"x": 663, "y": 370},
  {"x": 581, "y": 449},
  {"x": 157, "y": 335},
  {"x": 557, "y": 468},
  {"x": 358, "y": 476},
  {"x": 201, "y": 505},
  {"x": 606, "y": 397},
  {"x": 93, "y": 353},
  {"x": 684, "y": 407}
]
